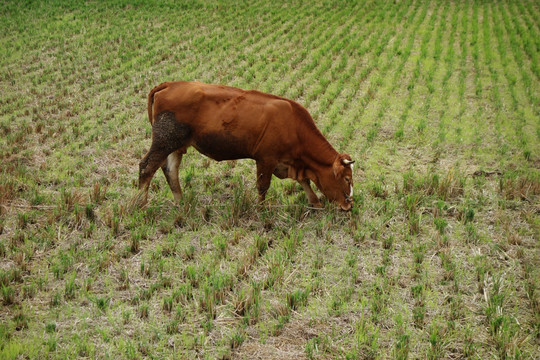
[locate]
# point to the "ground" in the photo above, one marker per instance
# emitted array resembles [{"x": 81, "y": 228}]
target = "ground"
[{"x": 438, "y": 103}]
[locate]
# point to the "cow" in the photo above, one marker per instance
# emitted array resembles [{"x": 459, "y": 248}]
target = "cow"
[{"x": 227, "y": 123}]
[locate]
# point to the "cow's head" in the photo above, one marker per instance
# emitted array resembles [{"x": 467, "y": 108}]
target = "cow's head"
[{"x": 337, "y": 184}]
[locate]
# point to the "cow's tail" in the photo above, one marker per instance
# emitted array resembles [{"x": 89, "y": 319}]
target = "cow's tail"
[{"x": 151, "y": 99}]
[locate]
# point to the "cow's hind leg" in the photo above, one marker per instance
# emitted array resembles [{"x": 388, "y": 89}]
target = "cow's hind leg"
[
  {"x": 170, "y": 169},
  {"x": 147, "y": 168},
  {"x": 312, "y": 197},
  {"x": 168, "y": 136}
]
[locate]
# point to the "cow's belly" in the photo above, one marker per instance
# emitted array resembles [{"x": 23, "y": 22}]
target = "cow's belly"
[
  {"x": 222, "y": 146},
  {"x": 282, "y": 171}
]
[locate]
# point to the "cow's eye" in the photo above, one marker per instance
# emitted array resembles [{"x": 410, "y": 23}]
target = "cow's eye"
[{"x": 348, "y": 179}]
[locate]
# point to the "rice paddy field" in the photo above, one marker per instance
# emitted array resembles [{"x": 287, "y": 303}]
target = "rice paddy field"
[{"x": 437, "y": 101}]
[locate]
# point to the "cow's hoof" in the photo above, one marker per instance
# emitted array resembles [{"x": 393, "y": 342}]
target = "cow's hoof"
[
  {"x": 140, "y": 199},
  {"x": 317, "y": 205}
]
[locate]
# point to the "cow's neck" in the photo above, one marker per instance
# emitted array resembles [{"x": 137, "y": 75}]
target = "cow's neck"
[
  {"x": 318, "y": 157},
  {"x": 317, "y": 153},
  {"x": 318, "y": 161}
]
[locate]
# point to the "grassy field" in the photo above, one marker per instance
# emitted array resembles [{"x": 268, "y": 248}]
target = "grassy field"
[{"x": 438, "y": 102}]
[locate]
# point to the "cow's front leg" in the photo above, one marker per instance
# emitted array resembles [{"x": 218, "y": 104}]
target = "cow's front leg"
[
  {"x": 312, "y": 197},
  {"x": 264, "y": 176}
]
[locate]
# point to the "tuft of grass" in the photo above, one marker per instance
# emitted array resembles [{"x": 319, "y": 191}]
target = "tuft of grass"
[
  {"x": 237, "y": 339},
  {"x": 102, "y": 303},
  {"x": 70, "y": 288},
  {"x": 50, "y": 328},
  {"x": 402, "y": 342},
  {"x": 20, "y": 321},
  {"x": 297, "y": 298},
  {"x": 143, "y": 311},
  {"x": 56, "y": 299},
  {"x": 524, "y": 187},
  {"x": 8, "y": 295}
]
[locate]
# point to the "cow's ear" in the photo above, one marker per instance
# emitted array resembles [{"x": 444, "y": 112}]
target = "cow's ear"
[{"x": 337, "y": 167}]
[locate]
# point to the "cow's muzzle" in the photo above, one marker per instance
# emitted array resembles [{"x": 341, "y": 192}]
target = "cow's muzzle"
[{"x": 348, "y": 203}]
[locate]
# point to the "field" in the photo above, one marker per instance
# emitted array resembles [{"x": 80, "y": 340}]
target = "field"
[{"x": 437, "y": 101}]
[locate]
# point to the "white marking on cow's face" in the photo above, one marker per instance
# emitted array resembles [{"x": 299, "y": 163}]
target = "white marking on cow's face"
[{"x": 352, "y": 169}]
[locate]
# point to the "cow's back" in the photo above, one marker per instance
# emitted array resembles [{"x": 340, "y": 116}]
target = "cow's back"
[
  {"x": 230, "y": 123},
  {"x": 183, "y": 98}
]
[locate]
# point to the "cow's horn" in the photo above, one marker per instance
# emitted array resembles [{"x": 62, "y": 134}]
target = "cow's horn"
[{"x": 347, "y": 162}]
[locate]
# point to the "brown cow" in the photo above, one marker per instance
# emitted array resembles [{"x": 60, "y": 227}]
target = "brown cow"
[{"x": 227, "y": 123}]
